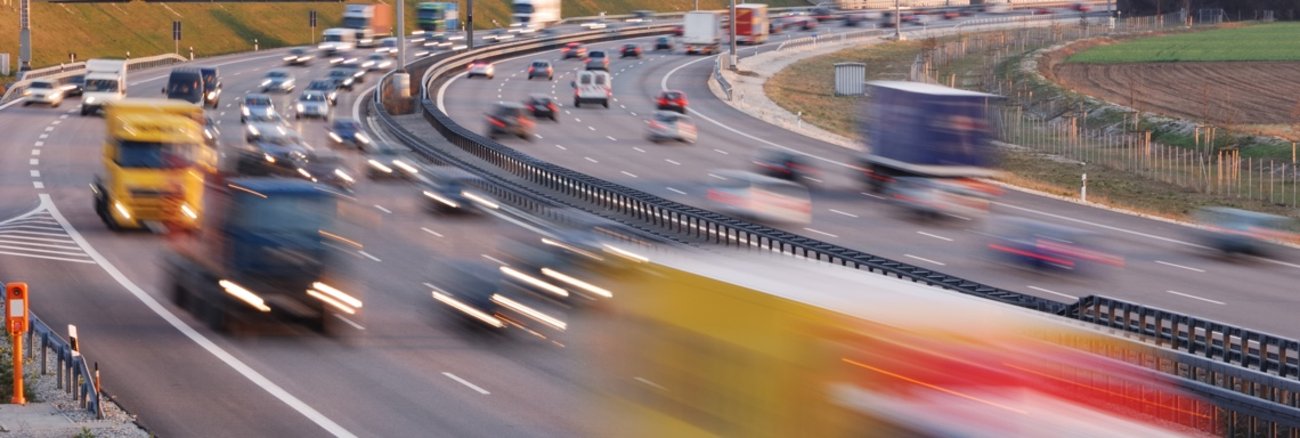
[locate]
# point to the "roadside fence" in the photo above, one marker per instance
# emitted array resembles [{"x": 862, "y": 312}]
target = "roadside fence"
[
  {"x": 16, "y": 90},
  {"x": 73, "y": 373}
]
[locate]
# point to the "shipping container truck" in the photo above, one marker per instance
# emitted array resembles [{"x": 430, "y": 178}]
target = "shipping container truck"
[
  {"x": 751, "y": 23},
  {"x": 370, "y": 21},
  {"x": 702, "y": 32}
]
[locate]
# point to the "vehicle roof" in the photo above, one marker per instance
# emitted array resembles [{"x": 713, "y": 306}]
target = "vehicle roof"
[
  {"x": 155, "y": 127},
  {"x": 276, "y": 186},
  {"x": 930, "y": 89},
  {"x": 510, "y": 105},
  {"x": 155, "y": 105},
  {"x": 312, "y": 92},
  {"x": 186, "y": 70}
]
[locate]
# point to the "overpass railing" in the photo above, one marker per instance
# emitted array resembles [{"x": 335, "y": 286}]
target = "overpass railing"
[{"x": 15, "y": 91}]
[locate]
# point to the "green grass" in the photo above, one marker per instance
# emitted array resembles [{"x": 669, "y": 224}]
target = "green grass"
[
  {"x": 1264, "y": 42},
  {"x": 112, "y": 29}
]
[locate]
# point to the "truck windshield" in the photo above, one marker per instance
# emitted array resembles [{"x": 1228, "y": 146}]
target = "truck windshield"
[
  {"x": 333, "y": 38},
  {"x": 523, "y": 8},
  {"x": 101, "y": 85},
  {"x": 287, "y": 214},
  {"x": 355, "y": 22},
  {"x": 152, "y": 155}
]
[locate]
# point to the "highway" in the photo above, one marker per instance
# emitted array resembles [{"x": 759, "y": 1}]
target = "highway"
[
  {"x": 410, "y": 372},
  {"x": 1164, "y": 266}
]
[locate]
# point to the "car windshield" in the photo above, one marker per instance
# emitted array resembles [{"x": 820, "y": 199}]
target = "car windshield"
[
  {"x": 277, "y": 75},
  {"x": 268, "y": 117},
  {"x": 285, "y": 214},
  {"x": 312, "y": 97},
  {"x": 345, "y": 125},
  {"x": 596, "y": 54},
  {"x": 186, "y": 90},
  {"x": 320, "y": 85},
  {"x": 339, "y": 74},
  {"x": 377, "y": 57},
  {"x": 541, "y": 64},
  {"x": 297, "y": 52},
  {"x": 41, "y": 85},
  {"x": 77, "y": 80},
  {"x": 665, "y": 117},
  {"x": 93, "y": 85},
  {"x": 152, "y": 155},
  {"x": 672, "y": 96},
  {"x": 257, "y": 101},
  {"x": 506, "y": 111}
]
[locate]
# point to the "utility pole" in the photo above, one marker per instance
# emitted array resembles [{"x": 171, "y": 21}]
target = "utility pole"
[
  {"x": 401, "y": 79},
  {"x": 898, "y": 20},
  {"x": 24, "y": 36},
  {"x": 732, "y": 26},
  {"x": 469, "y": 24}
]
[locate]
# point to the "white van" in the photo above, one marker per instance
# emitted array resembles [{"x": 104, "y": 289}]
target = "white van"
[
  {"x": 593, "y": 86},
  {"x": 338, "y": 40},
  {"x": 765, "y": 199}
]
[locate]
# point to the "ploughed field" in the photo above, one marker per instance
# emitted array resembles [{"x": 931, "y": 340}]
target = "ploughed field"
[{"x": 1233, "y": 93}]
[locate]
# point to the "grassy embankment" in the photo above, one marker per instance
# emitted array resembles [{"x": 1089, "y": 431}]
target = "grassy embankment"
[{"x": 1270, "y": 42}]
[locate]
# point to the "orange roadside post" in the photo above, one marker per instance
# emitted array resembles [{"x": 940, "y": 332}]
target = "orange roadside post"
[{"x": 16, "y": 322}]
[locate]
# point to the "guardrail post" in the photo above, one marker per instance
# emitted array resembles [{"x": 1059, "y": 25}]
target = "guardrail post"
[{"x": 44, "y": 344}]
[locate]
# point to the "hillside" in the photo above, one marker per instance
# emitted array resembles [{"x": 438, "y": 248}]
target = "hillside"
[{"x": 112, "y": 29}]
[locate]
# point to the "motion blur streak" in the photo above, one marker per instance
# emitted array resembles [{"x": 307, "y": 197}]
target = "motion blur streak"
[
  {"x": 244, "y": 294},
  {"x": 529, "y": 312},
  {"x": 931, "y": 386},
  {"x": 468, "y": 310},
  {"x": 576, "y": 282},
  {"x": 534, "y": 281}
]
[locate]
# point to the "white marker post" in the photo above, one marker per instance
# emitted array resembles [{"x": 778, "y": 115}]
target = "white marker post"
[{"x": 1083, "y": 189}]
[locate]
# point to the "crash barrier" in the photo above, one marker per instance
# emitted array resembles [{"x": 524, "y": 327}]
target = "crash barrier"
[
  {"x": 74, "y": 373},
  {"x": 62, "y": 72},
  {"x": 722, "y": 64},
  {"x": 1245, "y": 399}
]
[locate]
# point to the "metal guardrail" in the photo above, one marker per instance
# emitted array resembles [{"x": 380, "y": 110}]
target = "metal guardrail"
[
  {"x": 16, "y": 89},
  {"x": 722, "y": 64},
  {"x": 74, "y": 374}
]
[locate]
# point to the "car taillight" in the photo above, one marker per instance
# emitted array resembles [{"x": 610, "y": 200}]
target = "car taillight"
[
  {"x": 663, "y": 102},
  {"x": 551, "y": 106},
  {"x": 530, "y": 70},
  {"x": 496, "y": 122},
  {"x": 530, "y": 107},
  {"x": 654, "y": 124}
]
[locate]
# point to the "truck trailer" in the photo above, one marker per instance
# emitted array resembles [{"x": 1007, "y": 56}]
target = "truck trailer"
[
  {"x": 702, "y": 32},
  {"x": 751, "y": 23},
  {"x": 370, "y": 21},
  {"x": 535, "y": 13},
  {"x": 438, "y": 16}
]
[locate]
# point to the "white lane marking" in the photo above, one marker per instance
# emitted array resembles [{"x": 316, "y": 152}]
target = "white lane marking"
[
  {"x": 1072, "y": 297},
  {"x": 562, "y": 147},
  {"x": 40, "y": 239},
  {"x": 843, "y": 213},
  {"x": 1194, "y": 297},
  {"x": 611, "y": 138},
  {"x": 1189, "y": 268},
  {"x": 42, "y": 137},
  {"x": 350, "y": 322},
  {"x": 59, "y": 121},
  {"x": 577, "y": 120},
  {"x": 717, "y": 176},
  {"x": 36, "y": 151},
  {"x": 33, "y": 161},
  {"x": 959, "y": 217},
  {"x": 34, "y": 233},
  {"x": 39, "y": 256},
  {"x": 47, "y": 251},
  {"x": 821, "y": 232},
  {"x": 936, "y": 236},
  {"x": 623, "y": 106},
  {"x": 629, "y": 174},
  {"x": 638, "y": 149},
  {"x": 466, "y": 383},
  {"x": 38, "y": 185},
  {"x": 49, "y": 128},
  {"x": 1102, "y": 226},
  {"x": 381, "y": 208},
  {"x": 672, "y": 162},
  {"x": 872, "y": 195},
  {"x": 65, "y": 116},
  {"x": 591, "y": 159},
  {"x": 925, "y": 260},
  {"x": 221, "y": 354},
  {"x": 65, "y": 245},
  {"x": 720, "y": 151},
  {"x": 38, "y": 144},
  {"x": 567, "y": 112},
  {"x": 676, "y": 191},
  {"x": 593, "y": 128},
  {"x": 367, "y": 255},
  {"x": 649, "y": 383},
  {"x": 435, "y": 233},
  {"x": 539, "y": 136},
  {"x": 494, "y": 259},
  {"x": 634, "y": 114},
  {"x": 812, "y": 179},
  {"x": 36, "y": 174}
]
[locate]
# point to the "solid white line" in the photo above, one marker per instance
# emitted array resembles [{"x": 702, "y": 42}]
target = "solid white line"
[
  {"x": 38, "y": 256},
  {"x": 367, "y": 255},
  {"x": 498, "y": 261},
  {"x": 1189, "y": 268},
  {"x": 66, "y": 247},
  {"x": 562, "y": 147},
  {"x": 821, "y": 232},
  {"x": 1194, "y": 297},
  {"x": 591, "y": 159},
  {"x": 350, "y": 322},
  {"x": 629, "y": 174},
  {"x": 672, "y": 162},
  {"x": 936, "y": 236},
  {"x": 843, "y": 213},
  {"x": 34, "y": 233},
  {"x": 466, "y": 383},
  {"x": 431, "y": 231},
  {"x": 925, "y": 260},
  {"x": 38, "y": 239},
  {"x": 381, "y": 208},
  {"x": 15, "y": 225},
  {"x": 676, "y": 191},
  {"x": 812, "y": 179},
  {"x": 1053, "y": 292},
  {"x": 221, "y": 354}
]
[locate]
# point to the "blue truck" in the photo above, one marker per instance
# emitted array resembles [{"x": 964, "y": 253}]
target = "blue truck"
[
  {"x": 437, "y": 16},
  {"x": 267, "y": 251},
  {"x": 927, "y": 145}
]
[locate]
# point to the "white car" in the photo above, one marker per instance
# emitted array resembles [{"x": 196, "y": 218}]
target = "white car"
[
  {"x": 593, "y": 87},
  {"x": 45, "y": 92},
  {"x": 377, "y": 62},
  {"x": 312, "y": 104},
  {"x": 482, "y": 68},
  {"x": 757, "y": 197},
  {"x": 278, "y": 80}
]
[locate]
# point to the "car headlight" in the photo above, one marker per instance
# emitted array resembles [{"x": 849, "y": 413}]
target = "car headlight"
[
  {"x": 27, "y": 92},
  {"x": 121, "y": 209},
  {"x": 361, "y": 137},
  {"x": 336, "y": 138},
  {"x": 268, "y": 158},
  {"x": 380, "y": 166},
  {"x": 290, "y": 58},
  {"x": 212, "y": 95},
  {"x": 245, "y": 111},
  {"x": 343, "y": 175},
  {"x": 299, "y": 107},
  {"x": 252, "y": 130},
  {"x": 266, "y": 82},
  {"x": 89, "y": 99}
]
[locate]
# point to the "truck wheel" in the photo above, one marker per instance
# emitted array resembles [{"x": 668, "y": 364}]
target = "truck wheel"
[
  {"x": 606, "y": 103},
  {"x": 180, "y": 296},
  {"x": 109, "y": 220},
  {"x": 577, "y": 103},
  {"x": 84, "y": 112}
]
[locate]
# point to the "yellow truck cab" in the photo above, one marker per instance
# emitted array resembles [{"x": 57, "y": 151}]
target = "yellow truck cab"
[{"x": 155, "y": 163}]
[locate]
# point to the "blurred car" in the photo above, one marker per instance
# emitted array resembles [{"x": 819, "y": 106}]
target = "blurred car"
[
  {"x": 345, "y": 131},
  {"x": 1235, "y": 231},
  {"x": 672, "y": 100},
  {"x": 630, "y": 50},
  {"x": 668, "y": 125},
  {"x": 255, "y": 130},
  {"x": 389, "y": 161},
  {"x": 786, "y": 165},
  {"x": 74, "y": 85},
  {"x": 343, "y": 79},
  {"x": 326, "y": 87},
  {"x": 823, "y": 13},
  {"x": 1081, "y": 7},
  {"x": 466, "y": 291},
  {"x": 353, "y": 67},
  {"x": 481, "y": 68},
  {"x": 43, "y": 92},
  {"x": 211, "y": 132},
  {"x": 299, "y": 56},
  {"x": 278, "y": 80},
  {"x": 951, "y": 15},
  {"x": 761, "y": 198},
  {"x": 377, "y": 62},
  {"x": 663, "y": 43},
  {"x": 509, "y": 119},
  {"x": 936, "y": 197},
  {"x": 574, "y": 50},
  {"x": 278, "y": 150},
  {"x": 593, "y": 86},
  {"x": 255, "y": 104},
  {"x": 678, "y": 30},
  {"x": 211, "y": 86},
  {"x": 542, "y": 106},
  {"x": 387, "y": 46},
  {"x": 312, "y": 104},
  {"x": 1043, "y": 245},
  {"x": 1042, "y": 11},
  {"x": 597, "y": 60},
  {"x": 541, "y": 69},
  {"x": 327, "y": 167},
  {"x": 854, "y": 20},
  {"x": 451, "y": 190}
]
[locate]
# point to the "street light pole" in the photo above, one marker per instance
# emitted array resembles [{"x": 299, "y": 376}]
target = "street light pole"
[
  {"x": 24, "y": 36},
  {"x": 469, "y": 24},
  {"x": 401, "y": 79},
  {"x": 732, "y": 26},
  {"x": 898, "y": 20}
]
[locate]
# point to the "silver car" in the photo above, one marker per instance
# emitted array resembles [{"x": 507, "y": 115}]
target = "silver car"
[
  {"x": 668, "y": 125},
  {"x": 278, "y": 80},
  {"x": 312, "y": 104},
  {"x": 44, "y": 92},
  {"x": 377, "y": 62}
]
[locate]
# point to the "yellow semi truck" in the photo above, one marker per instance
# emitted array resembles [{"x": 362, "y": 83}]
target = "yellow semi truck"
[{"x": 155, "y": 163}]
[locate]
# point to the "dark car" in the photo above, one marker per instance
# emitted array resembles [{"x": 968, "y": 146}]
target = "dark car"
[
  {"x": 630, "y": 51},
  {"x": 541, "y": 69},
  {"x": 329, "y": 168},
  {"x": 390, "y": 161},
  {"x": 663, "y": 43},
  {"x": 298, "y": 56},
  {"x": 276, "y": 151},
  {"x": 1234, "y": 231},
  {"x": 823, "y": 13},
  {"x": 574, "y": 50},
  {"x": 668, "y": 125},
  {"x": 509, "y": 119},
  {"x": 351, "y": 65},
  {"x": 74, "y": 85},
  {"x": 327, "y": 86},
  {"x": 597, "y": 60},
  {"x": 671, "y": 100},
  {"x": 185, "y": 83},
  {"x": 342, "y": 79},
  {"x": 211, "y": 133},
  {"x": 452, "y": 190},
  {"x": 344, "y": 131},
  {"x": 678, "y": 30},
  {"x": 211, "y": 86},
  {"x": 784, "y": 165},
  {"x": 1043, "y": 245},
  {"x": 543, "y": 107}
]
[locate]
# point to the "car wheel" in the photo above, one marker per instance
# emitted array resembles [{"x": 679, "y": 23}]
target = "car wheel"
[
  {"x": 27, "y": 103},
  {"x": 554, "y": 118},
  {"x": 577, "y": 103},
  {"x": 84, "y": 112},
  {"x": 606, "y": 103}
]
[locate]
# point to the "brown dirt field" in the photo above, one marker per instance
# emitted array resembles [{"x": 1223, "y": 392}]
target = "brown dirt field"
[{"x": 1232, "y": 93}]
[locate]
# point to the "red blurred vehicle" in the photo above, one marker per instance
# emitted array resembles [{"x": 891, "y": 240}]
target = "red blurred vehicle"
[
  {"x": 678, "y": 31},
  {"x": 951, "y": 15},
  {"x": 509, "y": 119},
  {"x": 542, "y": 107},
  {"x": 574, "y": 50},
  {"x": 1042, "y": 11},
  {"x": 673, "y": 100},
  {"x": 630, "y": 50},
  {"x": 1081, "y": 7}
]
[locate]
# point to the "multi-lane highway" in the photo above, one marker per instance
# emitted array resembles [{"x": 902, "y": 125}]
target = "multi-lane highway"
[
  {"x": 1164, "y": 266},
  {"x": 409, "y": 372}
]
